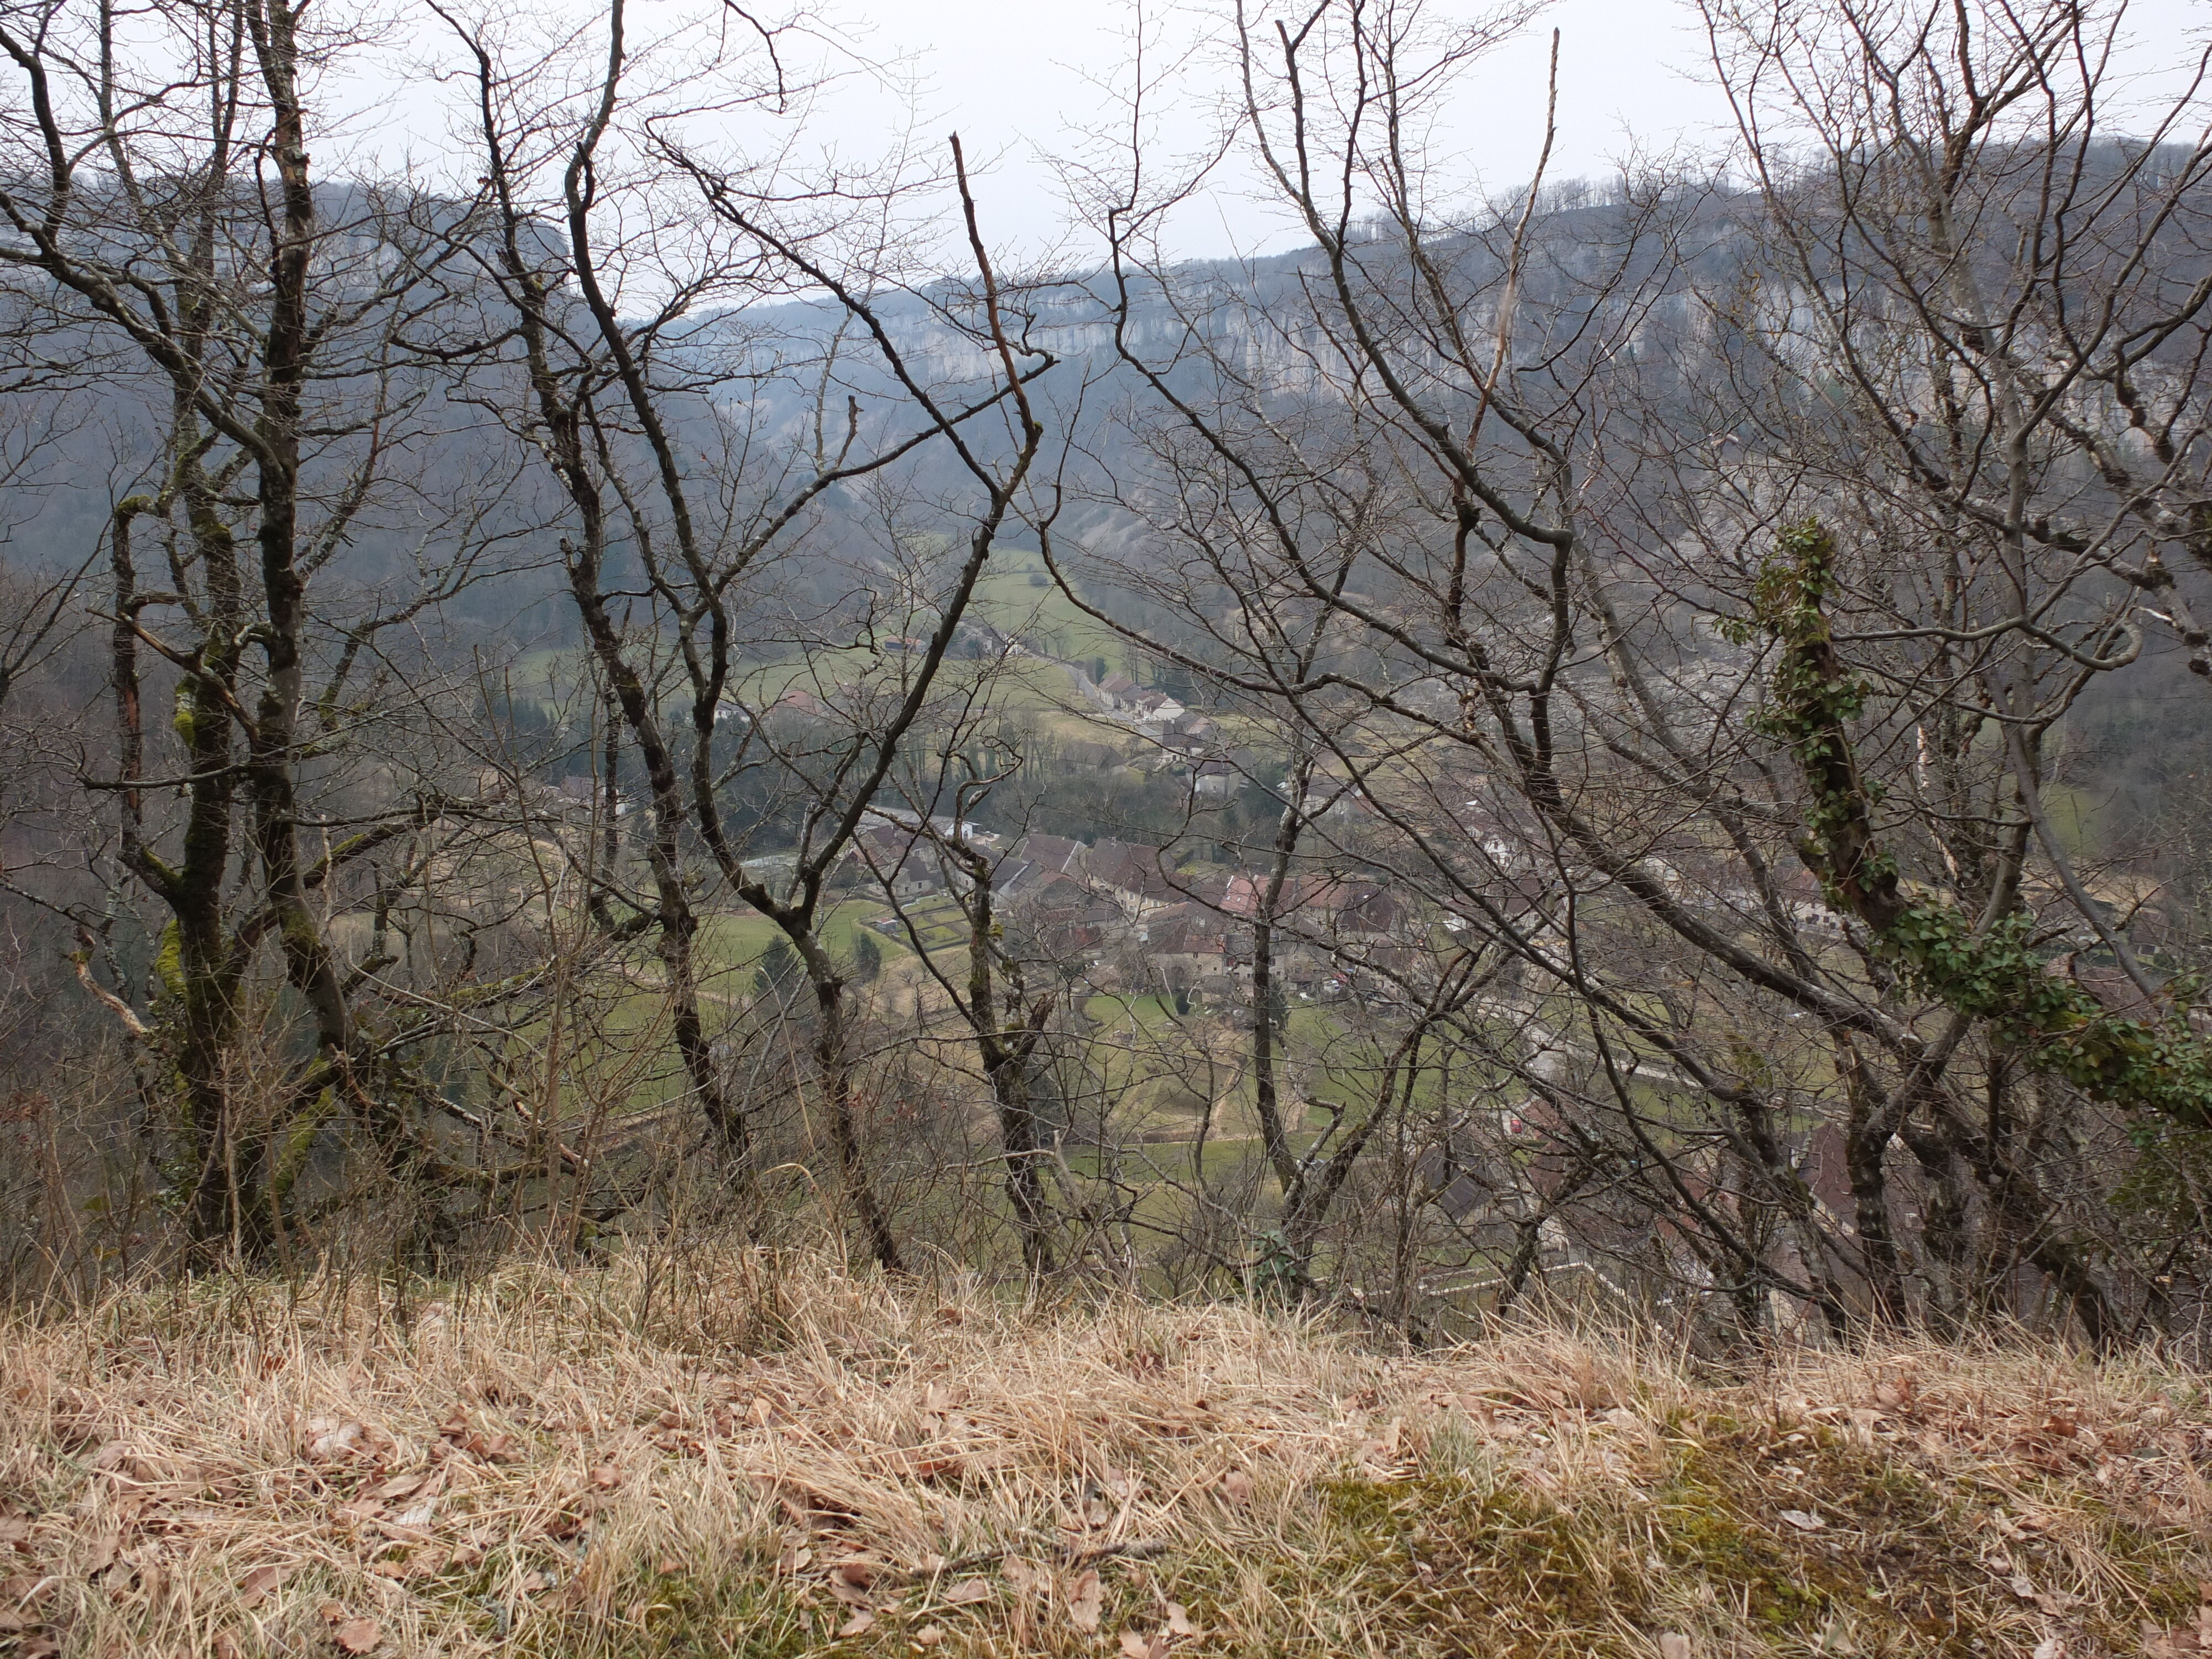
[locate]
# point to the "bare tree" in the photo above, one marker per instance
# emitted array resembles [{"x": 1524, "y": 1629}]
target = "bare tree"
[
  {"x": 618, "y": 410},
  {"x": 161, "y": 194},
  {"x": 1527, "y": 465}
]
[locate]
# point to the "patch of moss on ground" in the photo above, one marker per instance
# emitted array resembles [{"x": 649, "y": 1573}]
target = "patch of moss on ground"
[
  {"x": 1906, "y": 1562},
  {"x": 1461, "y": 1562},
  {"x": 742, "y": 1615},
  {"x": 1892, "y": 1552}
]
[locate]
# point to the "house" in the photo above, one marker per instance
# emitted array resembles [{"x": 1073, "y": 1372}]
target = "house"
[
  {"x": 980, "y": 639},
  {"x": 1305, "y": 903},
  {"x": 946, "y": 827},
  {"x": 1037, "y": 857},
  {"x": 899, "y": 858},
  {"x": 1131, "y": 876},
  {"x": 1214, "y": 779},
  {"x": 1116, "y": 688},
  {"x": 1186, "y": 945},
  {"x": 1806, "y": 905},
  {"x": 1368, "y": 910},
  {"x": 1200, "y": 889},
  {"x": 1154, "y": 710},
  {"x": 1058, "y": 917},
  {"x": 1086, "y": 756}
]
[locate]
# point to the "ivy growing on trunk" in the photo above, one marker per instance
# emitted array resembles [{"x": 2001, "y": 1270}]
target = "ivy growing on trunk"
[{"x": 1988, "y": 971}]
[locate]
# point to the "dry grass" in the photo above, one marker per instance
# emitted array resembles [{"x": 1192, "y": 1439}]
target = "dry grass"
[{"x": 762, "y": 1453}]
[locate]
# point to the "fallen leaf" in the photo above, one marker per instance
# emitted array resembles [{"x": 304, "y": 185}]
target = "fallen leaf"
[
  {"x": 859, "y": 1574},
  {"x": 332, "y": 1613},
  {"x": 254, "y": 1589},
  {"x": 1674, "y": 1645},
  {"x": 1179, "y": 1620},
  {"x": 858, "y": 1624},
  {"x": 494, "y": 1446},
  {"x": 933, "y": 1466},
  {"x": 928, "y": 1636},
  {"x": 2023, "y": 1587},
  {"x": 25, "y": 1588},
  {"x": 225, "y": 1645},
  {"x": 331, "y": 1438},
  {"x": 1135, "y": 1646},
  {"x": 966, "y": 1591},
  {"x": 358, "y": 1636},
  {"x": 1804, "y": 1520},
  {"x": 1084, "y": 1602},
  {"x": 2050, "y": 1648},
  {"x": 1237, "y": 1487},
  {"x": 795, "y": 1559}
]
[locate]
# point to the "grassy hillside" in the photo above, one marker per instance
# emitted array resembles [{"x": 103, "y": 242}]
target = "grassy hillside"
[{"x": 741, "y": 1453}]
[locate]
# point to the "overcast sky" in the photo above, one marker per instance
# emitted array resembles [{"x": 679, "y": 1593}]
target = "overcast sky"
[
  {"x": 1020, "y": 79},
  {"x": 1013, "y": 76}
]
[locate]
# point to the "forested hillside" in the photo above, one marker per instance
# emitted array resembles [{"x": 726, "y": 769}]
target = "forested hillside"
[{"x": 1639, "y": 745}]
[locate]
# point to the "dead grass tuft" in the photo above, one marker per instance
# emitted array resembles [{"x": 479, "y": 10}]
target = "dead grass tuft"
[{"x": 756, "y": 1455}]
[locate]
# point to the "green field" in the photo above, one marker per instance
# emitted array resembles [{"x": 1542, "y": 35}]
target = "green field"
[{"x": 1005, "y": 597}]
